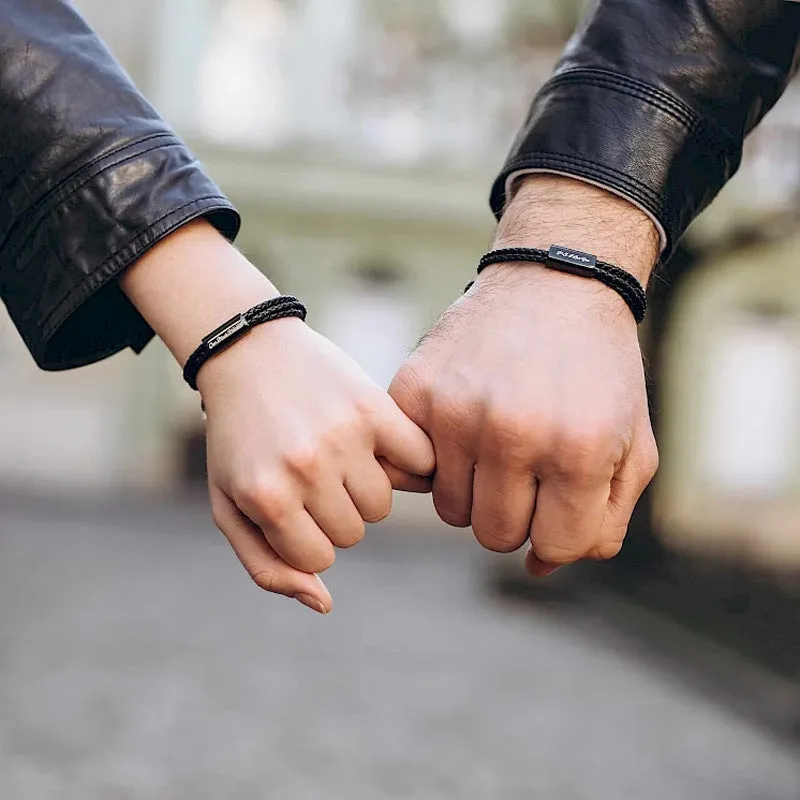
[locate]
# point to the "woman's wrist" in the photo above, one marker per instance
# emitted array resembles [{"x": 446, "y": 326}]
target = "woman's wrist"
[{"x": 190, "y": 283}]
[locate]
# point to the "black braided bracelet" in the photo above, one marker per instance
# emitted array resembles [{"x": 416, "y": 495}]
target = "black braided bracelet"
[
  {"x": 236, "y": 327},
  {"x": 574, "y": 261}
]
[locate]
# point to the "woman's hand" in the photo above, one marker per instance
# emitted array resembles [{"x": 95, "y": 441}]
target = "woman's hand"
[
  {"x": 297, "y": 435},
  {"x": 303, "y": 447}
]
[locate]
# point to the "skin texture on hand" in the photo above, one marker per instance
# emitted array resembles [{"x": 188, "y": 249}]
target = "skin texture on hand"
[
  {"x": 532, "y": 388},
  {"x": 303, "y": 447}
]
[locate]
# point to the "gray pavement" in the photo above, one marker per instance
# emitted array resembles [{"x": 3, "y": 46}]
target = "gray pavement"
[{"x": 137, "y": 662}]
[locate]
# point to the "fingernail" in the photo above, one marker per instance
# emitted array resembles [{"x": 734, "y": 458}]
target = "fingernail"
[{"x": 309, "y": 601}]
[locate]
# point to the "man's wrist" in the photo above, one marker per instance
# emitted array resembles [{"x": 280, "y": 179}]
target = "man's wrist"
[{"x": 550, "y": 209}]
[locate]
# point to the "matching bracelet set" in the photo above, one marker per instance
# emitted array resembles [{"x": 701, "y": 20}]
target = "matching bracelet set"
[{"x": 563, "y": 259}]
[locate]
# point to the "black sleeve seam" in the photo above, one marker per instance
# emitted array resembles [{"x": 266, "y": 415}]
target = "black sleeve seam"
[{"x": 543, "y": 159}]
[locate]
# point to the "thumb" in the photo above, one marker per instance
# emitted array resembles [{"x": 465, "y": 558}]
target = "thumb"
[
  {"x": 401, "y": 442},
  {"x": 408, "y": 392}
]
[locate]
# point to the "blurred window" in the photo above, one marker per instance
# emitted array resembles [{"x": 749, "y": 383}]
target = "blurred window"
[
  {"x": 370, "y": 79},
  {"x": 372, "y": 319},
  {"x": 770, "y": 173},
  {"x": 241, "y": 78},
  {"x": 752, "y": 406}
]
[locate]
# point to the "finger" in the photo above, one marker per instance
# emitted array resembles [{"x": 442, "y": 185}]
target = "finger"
[
  {"x": 401, "y": 442},
  {"x": 627, "y": 486},
  {"x": 287, "y": 526},
  {"x": 370, "y": 489},
  {"x": 503, "y": 503},
  {"x": 452, "y": 484},
  {"x": 332, "y": 508},
  {"x": 569, "y": 517},
  {"x": 536, "y": 566},
  {"x": 403, "y": 482},
  {"x": 262, "y": 563}
]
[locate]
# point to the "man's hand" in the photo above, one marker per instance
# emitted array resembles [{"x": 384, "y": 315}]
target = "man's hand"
[
  {"x": 302, "y": 446},
  {"x": 531, "y": 387}
]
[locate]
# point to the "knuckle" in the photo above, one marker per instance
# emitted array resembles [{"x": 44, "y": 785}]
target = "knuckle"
[
  {"x": 217, "y": 516},
  {"x": 453, "y": 509},
  {"x": 367, "y": 407},
  {"x": 374, "y": 497},
  {"x": 379, "y": 511},
  {"x": 351, "y": 537},
  {"x": 267, "y": 497},
  {"x": 347, "y": 431},
  {"x": 498, "y": 542},
  {"x": 455, "y": 519},
  {"x": 557, "y": 553},
  {"x": 410, "y": 380},
  {"x": 219, "y": 522},
  {"x": 579, "y": 454},
  {"x": 265, "y": 579},
  {"x": 410, "y": 389},
  {"x": 451, "y": 515},
  {"x": 606, "y": 551},
  {"x": 452, "y": 410},
  {"x": 650, "y": 460},
  {"x": 313, "y": 559},
  {"x": 508, "y": 428},
  {"x": 303, "y": 463}
]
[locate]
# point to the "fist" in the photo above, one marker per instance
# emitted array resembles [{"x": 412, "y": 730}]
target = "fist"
[{"x": 531, "y": 388}]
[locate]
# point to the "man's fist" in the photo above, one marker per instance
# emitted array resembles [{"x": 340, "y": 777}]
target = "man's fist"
[{"x": 532, "y": 390}]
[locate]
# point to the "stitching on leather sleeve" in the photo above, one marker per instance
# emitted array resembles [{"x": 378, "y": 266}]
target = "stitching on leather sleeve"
[
  {"x": 601, "y": 78},
  {"x": 18, "y": 239},
  {"x": 704, "y": 130},
  {"x": 635, "y": 187}
]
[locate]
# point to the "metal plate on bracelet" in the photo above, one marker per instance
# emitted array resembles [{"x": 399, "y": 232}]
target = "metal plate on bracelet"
[
  {"x": 567, "y": 260},
  {"x": 227, "y": 333}
]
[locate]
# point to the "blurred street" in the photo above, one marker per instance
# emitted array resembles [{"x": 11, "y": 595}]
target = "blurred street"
[{"x": 138, "y": 662}]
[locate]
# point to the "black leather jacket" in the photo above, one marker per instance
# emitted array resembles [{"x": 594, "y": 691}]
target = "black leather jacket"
[
  {"x": 90, "y": 177},
  {"x": 653, "y": 99}
]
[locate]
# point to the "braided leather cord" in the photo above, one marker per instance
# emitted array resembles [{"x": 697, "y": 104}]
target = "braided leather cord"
[
  {"x": 622, "y": 282},
  {"x": 276, "y": 308}
]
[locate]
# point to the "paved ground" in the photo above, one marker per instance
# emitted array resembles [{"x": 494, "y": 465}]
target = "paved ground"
[{"x": 137, "y": 663}]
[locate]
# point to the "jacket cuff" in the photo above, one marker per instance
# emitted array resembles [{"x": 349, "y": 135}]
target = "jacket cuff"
[
  {"x": 517, "y": 174},
  {"x": 629, "y": 137},
  {"x": 63, "y": 294}
]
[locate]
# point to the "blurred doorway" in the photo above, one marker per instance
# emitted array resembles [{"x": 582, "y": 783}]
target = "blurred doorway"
[{"x": 371, "y": 317}]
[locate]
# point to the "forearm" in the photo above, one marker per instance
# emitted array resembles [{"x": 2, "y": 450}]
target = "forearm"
[{"x": 192, "y": 282}]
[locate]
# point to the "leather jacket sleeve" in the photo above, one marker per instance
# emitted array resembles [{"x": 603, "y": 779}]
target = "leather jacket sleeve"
[
  {"x": 653, "y": 99},
  {"x": 91, "y": 177}
]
